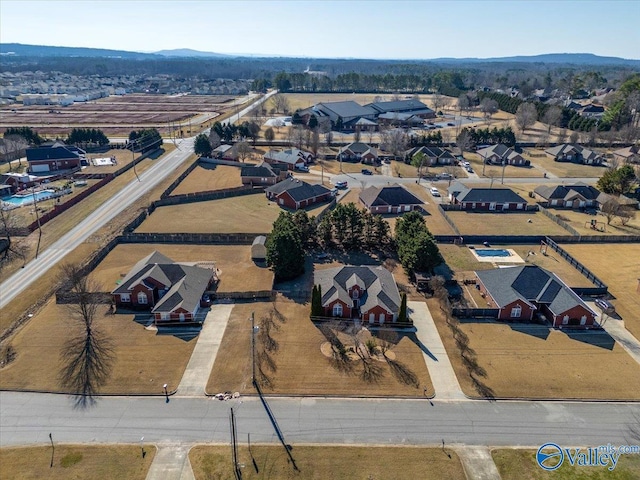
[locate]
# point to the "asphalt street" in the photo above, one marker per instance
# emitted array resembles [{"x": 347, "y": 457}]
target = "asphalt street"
[{"x": 28, "y": 418}]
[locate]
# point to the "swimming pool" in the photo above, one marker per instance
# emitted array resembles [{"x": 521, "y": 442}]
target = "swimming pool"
[
  {"x": 27, "y": 198},
  {"x": 492, "y": 252}
]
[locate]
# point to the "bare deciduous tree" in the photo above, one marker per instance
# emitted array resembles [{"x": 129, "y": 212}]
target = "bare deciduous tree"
[
  {"x": 280, "y": 103},
  {"x": 626, "y": 214},
  {"x": 394, "y": 141},
  {"x": 438, "y": 101},
  {"x": 10, "y": 246},
  {"x": 552, "y": 117},
  {"x": 526, "y": 116},
  {"x": 610, "y": 209},
  {"x": 88, "y": 355},
  {"x": 243, "y": 149},
  {"x": 297, "y": 134},
  {"x": 488, "y": 107}
]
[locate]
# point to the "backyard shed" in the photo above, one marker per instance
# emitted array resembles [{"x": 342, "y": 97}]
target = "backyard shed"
[{"x": 258, "y": 248}]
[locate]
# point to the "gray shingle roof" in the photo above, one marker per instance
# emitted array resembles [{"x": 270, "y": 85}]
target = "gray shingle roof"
[
  {"x": 262, "y": 170},
  {"x": 567, "y": 192},
  {"x": 52, "y": 153},
  {"x": 298, "y": 189},
  {"x": 394, "y": 195},
  {"x": 380, "y": 286},
  {"x": 484, "y": 195},
  {"x": 531, "y": 284},
  {"x": 347, "y": 109},
  {"x": 413, "y": 106}
]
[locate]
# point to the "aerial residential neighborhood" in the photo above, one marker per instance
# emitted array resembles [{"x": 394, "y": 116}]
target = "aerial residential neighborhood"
[{"x": 354, "y": 253}]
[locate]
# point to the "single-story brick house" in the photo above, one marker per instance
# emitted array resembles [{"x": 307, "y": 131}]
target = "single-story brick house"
[
  {"x": 519, "y": 292},
  {"x": 262, "y": 174},
  {"x": 358, "y": 152},
  {"x": 293, "y": 193},
  {"x": 434, "y": 155},
  {"x": 288, "y": 158},
  {"x": 628, "y": 154},
  {"x": 485, "y": 199},
  {"x": 497, "y": 154},
  {"x": 568, "y": 152},
  {"x": 171, "y": 291},
  {"x": 390, "y": 199},
  {"x": 51, "y": 158},
  {"x": 364, "y": 292},
  {"x": 568, "y": 196}
]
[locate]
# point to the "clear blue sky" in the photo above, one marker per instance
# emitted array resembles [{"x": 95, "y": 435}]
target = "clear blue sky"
[{"x": 361, "y": 29}]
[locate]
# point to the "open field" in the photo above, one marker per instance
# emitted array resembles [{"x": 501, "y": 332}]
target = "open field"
[
  {"x": 77, "y": 461},
  {"x": 243, "y": 214},
  {"x": 498, "y": 223},
  {"x": 581, "y": 222},
  {"x": 518, "y": 464},
  {"x": 205, "y": 178},
  {"x": 462, "y": 262},
  {"x": 144, "y": 361},
  {"x": 300, "y": 367},
  {"x": 618, "y": 266},
  {"x": 338, "y": 462},
  {"x": 237, "y": 271},
  {"x": 523, "y": 360},
  {"x": 562, "y": 169}
]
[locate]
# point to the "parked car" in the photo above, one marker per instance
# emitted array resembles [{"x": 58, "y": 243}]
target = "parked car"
[
  {"x": 302, "y": 168},
  {"x": 434, "y": 191},
  {"x": 469, "y": 169},
  {"x": 366, "y": 171},
  {"x": 341, "y": 185},
  {"x": 451, "y": 124}
]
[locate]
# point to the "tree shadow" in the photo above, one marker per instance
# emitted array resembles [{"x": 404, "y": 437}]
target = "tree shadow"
[
  {"x": 403, "y": 373},
  {"x": 414, "y": 338}
]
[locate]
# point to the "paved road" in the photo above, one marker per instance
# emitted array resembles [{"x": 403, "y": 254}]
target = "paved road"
[{"x": 28, "y": 418}]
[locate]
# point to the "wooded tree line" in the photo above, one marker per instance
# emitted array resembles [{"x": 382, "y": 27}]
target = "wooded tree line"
[
  {"x": 145, "y": 140},
  {"x": 86, "y": 137}
]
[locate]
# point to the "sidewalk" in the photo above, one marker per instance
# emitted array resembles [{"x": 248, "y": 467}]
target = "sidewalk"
[
  {"x": 478, "y": 463},
  {"x": 623, "y": 337},
  {"x": 171, "y": 463},
  {"x": 441, "y": 372},
  {"x": 196, "y": 375}
]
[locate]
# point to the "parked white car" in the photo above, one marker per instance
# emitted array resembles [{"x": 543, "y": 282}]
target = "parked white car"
[{"x": 434, "y": 191}]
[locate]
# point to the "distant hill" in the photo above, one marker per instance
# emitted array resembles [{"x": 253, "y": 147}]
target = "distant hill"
[
  {"x": 566, "y": 58},
  {"x": 18, "y": 49},
  {"x": 187, "y": 52}
]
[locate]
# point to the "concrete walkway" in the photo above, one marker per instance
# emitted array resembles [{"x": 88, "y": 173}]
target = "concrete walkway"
[
  {"x": 478, "y": 463},
  {"x": 196, "y": 375},
  {"x": 441, "y": 372},
  {"x": 171, "y": 463},
  {"x": 622, "y": 336}
]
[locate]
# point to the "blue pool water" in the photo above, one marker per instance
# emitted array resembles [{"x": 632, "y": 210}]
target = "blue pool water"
[
  {"x": 27, "y": 198},
  {"x": 492, "y": 252}
]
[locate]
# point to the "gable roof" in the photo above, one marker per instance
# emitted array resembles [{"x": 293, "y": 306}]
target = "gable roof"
[
  {"x": 347, "y": 108},
  {"x": 356, "y": 147},
  {"x": 394, "y": 195},
  {"x": 567, "y": 192},
  {"x": 532, "y": 285},
  {"x": 569, "y": 148},
  {"x": 55, "y": 152},
  {"x": 430, "y": 152},
  {"x": 484, "y": 195},
  {"x": 289, "y": 156},
  {"x": 379, "y": 285},
  {"x": 185, "y": 283},
  {"x": 500, "y": 150},
  {"x": 298, "y": 189},
  {"x": 262, "y": 170},
  {"x": 413, "y": 106},
  {"x": 627, "y": 151}
]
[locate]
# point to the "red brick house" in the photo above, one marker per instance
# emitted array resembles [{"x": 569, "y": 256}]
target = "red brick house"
[
  {"x": 54, "y": 157},
  {"x": 486, "y": 199},
  {"x": 293, "y": 193},
  {"x": 358, "y": 152},
  {"x": 173, "y": 292},
  {"x": 520, "y": 292},
  {"x": 393, "y": 199},
  {"x": 367, "y": 293}
]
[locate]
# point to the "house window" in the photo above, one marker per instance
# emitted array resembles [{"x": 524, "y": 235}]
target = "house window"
[
  {"x": 583, "y": 320},
  {"x": 372, "y": 318},
  {"x": 142, "y": 298},
  {"x": 182, "y": 317},
  {"x": 337, "y": 310},
  {"x": 520, "y": 206},
  {"x": 516, "y": 311},
  {"x": 565, "y": 320},
  {"x": 165, "y": 316},
  {"x": 125, "y": 297},
  {"x": 473, "y": 205},
  {"x": 382, "y": 317}
]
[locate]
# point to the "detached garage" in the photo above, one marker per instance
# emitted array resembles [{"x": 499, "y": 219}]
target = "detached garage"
[{"x": 259, "y": 249}]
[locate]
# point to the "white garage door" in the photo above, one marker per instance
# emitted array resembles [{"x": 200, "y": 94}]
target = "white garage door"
[{"x": 40, "y": 168}]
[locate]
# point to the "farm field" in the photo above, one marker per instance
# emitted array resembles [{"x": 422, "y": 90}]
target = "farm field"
[
  {"x": 237, "y": 271},
  {"x": 516, "y": 223},
  {"x": 144, "y": 361},
  {"x": 320, "y": 462},
  {"x": 299, "y": 364},
  {"x": 77, "y": 461},
  {"x": 616, "y": 265},
  {"x": 580, "y": 362},
  {"x": 516, "y": 464},
  {"x": 205, "y": 178},
  {"x": 243, "y": 214}
]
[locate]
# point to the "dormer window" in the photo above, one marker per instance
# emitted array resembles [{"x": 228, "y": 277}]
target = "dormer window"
[{"x": 355, "y": 293}]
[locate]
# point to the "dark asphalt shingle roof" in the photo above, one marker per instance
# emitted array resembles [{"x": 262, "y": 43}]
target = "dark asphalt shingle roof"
[
  {"x": 413, "y": 106},
  {"x": 484, "y": 195},
  {"x": 52, "y": 153},
  {"x": 530, "y": 284},
  {"x": 298, "y": 189},
  {"x": 567, "y": 192},
  {"x": 262, "y": 170},
  {"x": 394, "y": 195},
  {"x": 346, "y": 109}
]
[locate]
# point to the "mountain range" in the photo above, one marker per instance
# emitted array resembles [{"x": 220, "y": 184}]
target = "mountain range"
[{"x": 17, "y": 49}]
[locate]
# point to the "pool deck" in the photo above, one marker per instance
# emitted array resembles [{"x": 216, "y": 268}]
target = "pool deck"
[{"x": 512, "y": 258}]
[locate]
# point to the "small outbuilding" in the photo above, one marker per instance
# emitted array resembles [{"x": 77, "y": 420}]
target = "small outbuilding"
[{"x": 259, "y": 249}]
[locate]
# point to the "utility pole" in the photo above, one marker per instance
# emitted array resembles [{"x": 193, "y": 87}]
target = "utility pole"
[
  {"x": 504, "y": 165},
  {"x": 253, "y": 349}
]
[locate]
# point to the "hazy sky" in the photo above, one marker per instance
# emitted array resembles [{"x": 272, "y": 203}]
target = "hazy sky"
[{"x": 362, "y": 29}]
